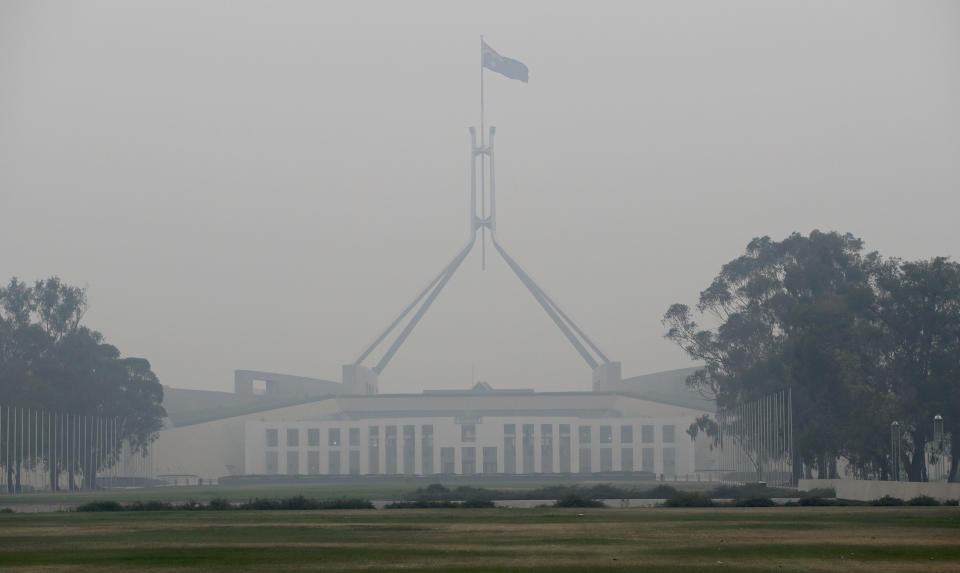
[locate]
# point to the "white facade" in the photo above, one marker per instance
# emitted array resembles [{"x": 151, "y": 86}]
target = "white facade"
[{"x": 488, "y": 444}]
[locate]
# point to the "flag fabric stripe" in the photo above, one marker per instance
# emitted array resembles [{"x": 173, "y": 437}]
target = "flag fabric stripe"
[{"x": 509, "y": 67}]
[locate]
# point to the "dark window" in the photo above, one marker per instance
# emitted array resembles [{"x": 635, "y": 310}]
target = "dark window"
[
  {"x": 373, "y": 433},
  {"x": 509, "y": 429},
  {"x": 333, "y": 462},
  {"x": 626, "y": 434},
  {"x": 293, "y": 437},
  {"x": 606, "y": 459},
  {"x": 313, "y": 462},
  {"x": 646, "y": 434},
  {"x": 510, "y": 454},
  {"x": 390, "y": 451},
  {"x": 546, "y": 448},
  {"x": 333, "y": 437},
  {"x": 293, "y": 462},
  {"x": 271, "y": 438},
  {"x": 354, "y": 462},
  {"x": 586, "y": 464},
  {"x": 626, "y": 459},
  {"x": 669, "y": 461},
  {"x": 564, "y": 452},
  {"x": 585, "y": 434},
  {"x": 668, "y": 434},
  {"x": 447, "y": 461},
  {"x": 468, "y": 433},
  {"x": 490, "y": 460},
  {"x": 606, "y": 434},
  {"x": 528, "y": 447},
  {"x": 313, "y": 437},
  {"x": 355, "y": 437},
  {"x": 409, "y": 450},
  {"x": 469, "y": 460},
  {"x": 426, "y": 449},
  {"x": 272, "y": 462},
  {"x": 646, "y": 459}
]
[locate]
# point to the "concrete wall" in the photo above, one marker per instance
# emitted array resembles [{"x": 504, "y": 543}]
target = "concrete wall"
[{"x": 866, "y": 490}]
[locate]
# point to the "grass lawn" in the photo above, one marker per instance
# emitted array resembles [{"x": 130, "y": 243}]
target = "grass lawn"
[{"x": 870, "y": 539}]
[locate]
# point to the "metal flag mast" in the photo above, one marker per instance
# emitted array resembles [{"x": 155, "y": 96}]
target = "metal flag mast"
[{"x": 360, "y": 379}]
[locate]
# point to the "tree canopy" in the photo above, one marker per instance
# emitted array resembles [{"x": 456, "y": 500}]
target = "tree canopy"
[
  {"x": 860, "y": 340},
  {"x": 49, "y": 360}
]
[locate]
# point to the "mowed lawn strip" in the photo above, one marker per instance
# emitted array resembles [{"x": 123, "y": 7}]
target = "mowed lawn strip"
[{"x": 658, "y": 539}]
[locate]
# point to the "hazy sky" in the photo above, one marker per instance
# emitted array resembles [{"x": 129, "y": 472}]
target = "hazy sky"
[{"x": 264, "y": 185}]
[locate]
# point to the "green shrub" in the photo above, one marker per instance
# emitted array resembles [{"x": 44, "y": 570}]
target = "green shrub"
[
  {"x": 219, "y": 504},
  {"x": 577, "y": 500},
  {"x": 149, "y": 506},
  {"x": 100, "y": 506},
  {"x": 922, "y": 500},
  {"x": 689, "y": 499},
  {"x": 7, "y": 510},
  {"x": 887, "y": 501},
  {"x": 754, "y": 502},
  {"x": 951, "y": 502}
]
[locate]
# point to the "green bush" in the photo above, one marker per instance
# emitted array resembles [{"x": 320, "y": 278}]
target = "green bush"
[
  {"x": 689, "y": 499},
  {"x": 7, "y": 510},
  {"x": 478, "y": 503},
  {"x": 219, "y": 504},
  {"x": 819, "y": 492},
  {"x": 951, "y": 502},
  {"x": 922, "y": 500},
  {"x": 754, "y": 502},
  {"x": 886, "y": 501},
  {"x": 149, "y": 506},
  {"x": 100, "y": 506},
  {"x": 577, "y": 500}
]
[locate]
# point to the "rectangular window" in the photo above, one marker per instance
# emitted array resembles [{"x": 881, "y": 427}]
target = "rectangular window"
[
  {"x": 668, "y": 434},
  {"x": 469, "y": 455},
  {"x": 528, "y": 447},
  {"x": 333, "y": 462},
  {"x": 354, "y": 437},
  {"x": 646, "y": 434},
  {"x": 447, "y": 461},
  {"x": 313, "y": 462},
  {"x": 468, "y": 433},
  {"x": 313, "y": 437},
  {"x": 564, "y": 452},
  {"x": 669, "y": 461},
  {"x": 272, "y": 462},
  {"x": 409, "y": 450},
  {"x": 490, "y": 460},
  {"x": 606, "y": 434},
  {"x": 426, "y": 449},
  {"x": 355, "y": 462},
  {"x": 333, "y": 437},
  {"x": 293, "y": 462},
  {"x": 510, "y": 454},
  {"x": 626, "y": 434},
  {"x": 586, "y": 464},
  {"x": 646, "y": 459},
  {"x": 546, "y": 448},
  {"x": 373, "y": 433},
  {"x": 626, "y": 459},
  {"x": 509, "y": 429},
  {"x": 272, "y": 438},
  {"x": 390, "y": 451},
  {"x": 293, "y": 437},
  {"x": 606, "y": 459},
  {"x": 585, "y": 434}
]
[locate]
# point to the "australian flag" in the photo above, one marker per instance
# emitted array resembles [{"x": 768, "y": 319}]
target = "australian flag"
[{"x": 513, "y": 69}]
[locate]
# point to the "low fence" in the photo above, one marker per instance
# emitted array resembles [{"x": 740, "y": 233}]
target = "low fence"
[{"x": 43, "y": 450}]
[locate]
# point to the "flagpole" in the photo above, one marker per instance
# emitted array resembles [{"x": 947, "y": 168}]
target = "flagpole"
[{"x": 483, "y": 171}]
